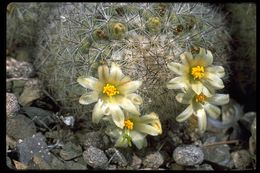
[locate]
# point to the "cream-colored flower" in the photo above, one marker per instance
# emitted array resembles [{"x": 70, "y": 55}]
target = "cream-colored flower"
[
  {"x": 113, "y": 91},
  {"x": 199, "y": 105},
  {"x": 197, "y": 72},
  {"x": 135, "y": 130}
]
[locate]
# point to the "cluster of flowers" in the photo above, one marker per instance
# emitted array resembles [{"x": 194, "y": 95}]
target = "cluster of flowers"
[
  {"x": 120, "y": 106},
  {"x": 198, "y": 80}
]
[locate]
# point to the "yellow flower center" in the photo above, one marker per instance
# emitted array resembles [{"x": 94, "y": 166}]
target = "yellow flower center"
[
  {"x": 197, "y": 72},
  {"x": 129, "y": 124},
  {"x": 110, "y": 90},
  {"x": 200, "y": 98}
]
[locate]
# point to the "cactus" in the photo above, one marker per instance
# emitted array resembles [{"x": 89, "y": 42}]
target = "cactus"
[
  {"x": 23, "y": 21},
  {"x": 141, "y": 37}
]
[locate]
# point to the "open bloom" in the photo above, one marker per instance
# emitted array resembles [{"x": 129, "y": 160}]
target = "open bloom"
[
  {"x": 113, "y": 91},
  {"x": 135, "y": 130},
  {"x": 199, "y": 105},
  {"x": 197, "y": 72}
]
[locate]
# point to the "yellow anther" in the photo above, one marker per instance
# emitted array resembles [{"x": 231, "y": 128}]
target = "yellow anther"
[
  {"x": 129, "y": 124},
  {"x": 197, "y": 72},
  {"x": 110, "y": 90},
  {"x": 200, "y": 98}
]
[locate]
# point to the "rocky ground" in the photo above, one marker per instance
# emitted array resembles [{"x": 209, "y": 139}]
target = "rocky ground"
[{"x": 40, "y": 136}]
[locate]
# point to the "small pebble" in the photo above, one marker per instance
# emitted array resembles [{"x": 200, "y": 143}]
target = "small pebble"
[
  {"x": 95, "y": 157},
  {"x": 12, "y": 105},
  {"x": 188, "y": 155},
  {"x": 153, "y": 160},
  {"x": 241, "y": 159}
]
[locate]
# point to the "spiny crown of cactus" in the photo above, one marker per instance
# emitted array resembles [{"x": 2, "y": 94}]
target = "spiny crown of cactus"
[{"x": 141, "y": 37}]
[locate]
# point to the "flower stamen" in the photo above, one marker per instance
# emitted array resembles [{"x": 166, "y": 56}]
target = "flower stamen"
[
  {"x": 129, "y": 124},
  {"x": 200, "y": 98},
  {"x": 110, "y": 90},
  {"x": 197, "y": 72}
]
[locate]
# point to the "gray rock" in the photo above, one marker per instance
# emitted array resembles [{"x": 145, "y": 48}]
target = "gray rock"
[
  {"x": 95, "y": 157},
  {"x": 221, "y": 154},
  {"x": 70, "y": 151},
  {"x": 34, "y": 146},
  {"x": 9, "y": 163},
  {"x": 40, "y": 116},
  {"x": 118, "y": 157},
  {"x": 17, "y": 87},
  {"x": 16, "y": 69},
  {"x": 188, "y": 155},
  {"x": 241, "y": 159},
  {"x": 136, "y": 162},
  {"x": 95, "y": 139},
  {"x": 32, "y": 91},
  {"x": 57, "y": 164},
  {"x": 20, "y": 127},
  {"x": 71, "y": 165},
  {"x": 38, "y": 162},
  {"x": 153, "y": 160},
  {"x": 12, "y": 105}
]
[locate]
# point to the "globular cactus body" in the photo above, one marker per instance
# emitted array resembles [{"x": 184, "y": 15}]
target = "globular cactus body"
[{"x": 141, "y": 37}]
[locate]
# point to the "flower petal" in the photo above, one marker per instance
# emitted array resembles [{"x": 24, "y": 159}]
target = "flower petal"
[
  {"x": 135, "y": 98},
  {"x": 184, "y": 98},
  {"x": 205, "y": 57},
  {"x": 197, "y": 87},
  {"x": 88, "y": 98},
  {"x": 206, "y": 91},
  {"x": 149, "y": 118},
  {"x": 89, "y": 83},
  {"x": 219, "y": 99},
  {"x": 213, "y": 111},
  {"x": 128, "y": 106},
  {"x": 175, "y": 67},
  {"x": 117, "y": 115},
  {"x": 202, "y": 119},
  {"x": 147, "y": 129},
  {"x": 129, "y": 87},
  {"x": 185, "y": 114},
  {"x": 116, "y": 73},
  {"x": 97, "y": 113},
  {"x": 103, "y": 73},
  {"x": 218, "y": 70},
  {"x": 186, "y": 58},
  {"x": 138, "y": 139},
  {"x": 177, "y": 83},
  {"x": 215, "y": 81}
]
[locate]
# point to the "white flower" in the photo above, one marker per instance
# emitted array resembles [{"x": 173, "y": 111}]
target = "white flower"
[
  {"x": 113, "y": 91},
  {"x": 197, "y": 72},
  {"x": 135, "y": 130},
  {"x": 199, "y": 105}
]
